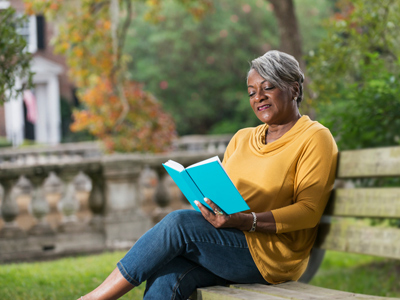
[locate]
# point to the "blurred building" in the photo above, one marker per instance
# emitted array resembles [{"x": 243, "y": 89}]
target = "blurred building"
[{"x": 36, "y": 115}]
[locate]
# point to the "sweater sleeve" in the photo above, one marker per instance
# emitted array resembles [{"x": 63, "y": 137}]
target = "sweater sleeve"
[
  {"x": 230, "y": 149},
  {"x": 313, "y": 182}
]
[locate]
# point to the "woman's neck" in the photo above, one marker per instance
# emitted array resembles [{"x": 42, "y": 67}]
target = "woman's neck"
[{"x": 274, "y": 132}]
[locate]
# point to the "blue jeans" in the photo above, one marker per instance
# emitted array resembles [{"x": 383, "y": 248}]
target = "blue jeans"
[{"x": 184, "y": 252}]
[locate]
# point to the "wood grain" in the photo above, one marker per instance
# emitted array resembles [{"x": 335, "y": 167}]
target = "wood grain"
[
  {"x": 342, "y": 236},
  {"x": 377, "y": 162},
  {"x": 365, "y": 202}
]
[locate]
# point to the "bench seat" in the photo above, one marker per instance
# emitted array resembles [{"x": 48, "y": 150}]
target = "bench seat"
[{"x": 289, "y": 290}]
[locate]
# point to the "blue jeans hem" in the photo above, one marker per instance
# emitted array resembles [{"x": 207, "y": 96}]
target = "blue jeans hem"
[
  {"x": 124, "y": 273},
  {"x": 180, "y": 280}
]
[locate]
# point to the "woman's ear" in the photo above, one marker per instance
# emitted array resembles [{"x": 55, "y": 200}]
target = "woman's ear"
[{"x": 295, "y": 89}]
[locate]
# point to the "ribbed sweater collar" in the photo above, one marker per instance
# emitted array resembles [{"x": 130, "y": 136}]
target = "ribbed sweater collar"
[{"x": 257, "y": 138}]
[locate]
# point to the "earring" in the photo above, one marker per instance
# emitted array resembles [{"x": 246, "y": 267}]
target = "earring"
[{"x": 295, "y": 99}]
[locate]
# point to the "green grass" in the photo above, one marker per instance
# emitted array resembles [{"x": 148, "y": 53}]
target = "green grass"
[
  {"x": 359, "y": 274},
  {"x": 69, "y": 278}
]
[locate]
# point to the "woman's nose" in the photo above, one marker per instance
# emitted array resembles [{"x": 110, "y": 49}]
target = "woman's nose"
[{"x": 259, "y": 96}]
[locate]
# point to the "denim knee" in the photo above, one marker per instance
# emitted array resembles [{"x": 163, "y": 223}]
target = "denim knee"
[{"x": 179, "y": 217}]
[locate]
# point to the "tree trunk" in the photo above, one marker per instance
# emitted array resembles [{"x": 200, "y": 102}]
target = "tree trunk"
[
  {"x": 290, "y": 38},
  {"x": 291, "y": 42}
]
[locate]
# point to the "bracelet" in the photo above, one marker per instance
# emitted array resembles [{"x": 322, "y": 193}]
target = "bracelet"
[{"x": 253, "y": 227}]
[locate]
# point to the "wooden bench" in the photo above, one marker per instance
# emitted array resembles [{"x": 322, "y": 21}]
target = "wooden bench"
[{"x": 344, "y": 227}]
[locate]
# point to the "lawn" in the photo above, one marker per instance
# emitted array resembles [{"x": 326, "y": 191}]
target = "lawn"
[
  {"x": 69, "y": 278},
  {"x": 359, "y": 274},
  {"x": 66, "y": 278}
]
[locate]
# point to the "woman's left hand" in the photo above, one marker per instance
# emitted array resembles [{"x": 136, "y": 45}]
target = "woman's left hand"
[{"x": 217, "y": 217}]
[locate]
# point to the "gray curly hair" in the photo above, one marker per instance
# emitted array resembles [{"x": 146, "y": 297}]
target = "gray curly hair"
[{"x": 280, "y": 69}]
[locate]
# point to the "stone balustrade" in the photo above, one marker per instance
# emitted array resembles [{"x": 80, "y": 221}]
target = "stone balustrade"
[
  {"x": 196, "y": 143},
  {"x": 74, "y": 202},
  {"x": 40, "y": 154}
]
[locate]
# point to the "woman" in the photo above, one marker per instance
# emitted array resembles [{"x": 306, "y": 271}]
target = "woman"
[{"x": 284, "y": 169}]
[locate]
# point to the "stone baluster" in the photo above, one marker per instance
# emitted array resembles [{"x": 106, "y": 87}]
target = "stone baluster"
[
  {"x": 24, "y": 185},
  {"x": 176, "y": 198},
  {"x": 83, "y": 186},
  {"x": 53, "y": 188},
  {"x": 163, "y": 198},
  {"x": 53, "y": 184},
  {"x": 39, "y": 206},
  {"x": 221, "y": 147},
  {"x": 82, "y": 182},
  {"x": 125, "y": 222},
  {"x": 211, "y": 147},
  {"x": 97, "y": 200},
  {"x": 148, "y": 182},
  {"x": 69, "y": 205},
  {"x": 10, "y": 211}
]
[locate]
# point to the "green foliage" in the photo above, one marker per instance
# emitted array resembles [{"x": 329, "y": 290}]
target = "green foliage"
[
  {"x": 4, "y": 142},
  {"x": 66, "y": 120},
  {"x": 198, "y": 68},
  {"x": 365, "y": 114},
  {"x": 355, "y": 74},
  {"x": 14, "y": 59},
  {"x": 310, "y": 14}
]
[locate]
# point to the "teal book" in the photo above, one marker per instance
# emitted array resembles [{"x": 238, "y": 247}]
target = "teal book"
[{"x": 207, "y": 179}]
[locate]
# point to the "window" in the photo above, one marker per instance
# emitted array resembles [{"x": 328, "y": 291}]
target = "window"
[
  {"x": 29, "y": 31},
  {"x": 4, "y": 4},
  {"x": 33, "y": 30},
  {"x": 41, "y": 32}
]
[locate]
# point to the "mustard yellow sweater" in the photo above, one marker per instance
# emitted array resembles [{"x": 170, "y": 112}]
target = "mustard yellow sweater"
[{"x": 292, "y": 177}]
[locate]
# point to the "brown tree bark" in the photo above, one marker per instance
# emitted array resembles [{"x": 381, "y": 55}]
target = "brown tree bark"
[
  {"x": 290, "y": 37},
  {"x": 291, "y": 42}
]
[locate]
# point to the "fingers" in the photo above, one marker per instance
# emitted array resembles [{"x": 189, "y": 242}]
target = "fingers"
[
  {"x": 215, "y": 208},
  {"x": 203, "y": 209},
  {"x": 216, "y": 217}
]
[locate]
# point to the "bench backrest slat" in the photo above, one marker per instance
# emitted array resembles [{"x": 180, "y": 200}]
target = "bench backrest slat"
[
  {"x": 346, "y": 225},
  {"x": 377, "y": 162},
  {"x": 365, "y": 202},
  {"x": 378, "y": 241}
]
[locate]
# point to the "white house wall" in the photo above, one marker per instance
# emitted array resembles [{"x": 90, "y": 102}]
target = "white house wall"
[
  {"x": 14, "y": 117},
  {"x": 47, "y": 93},
  {"x": 54, "y": 133},
  {"x": 42, "y": 125}
]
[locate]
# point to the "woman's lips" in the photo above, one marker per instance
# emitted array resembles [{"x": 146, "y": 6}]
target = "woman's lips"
[{"x": 263, "y": 107}]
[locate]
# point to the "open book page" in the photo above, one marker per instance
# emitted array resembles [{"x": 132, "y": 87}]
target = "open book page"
[
  {"x": 206, "y": 161},
  {"x": 174, "y": 165}
]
